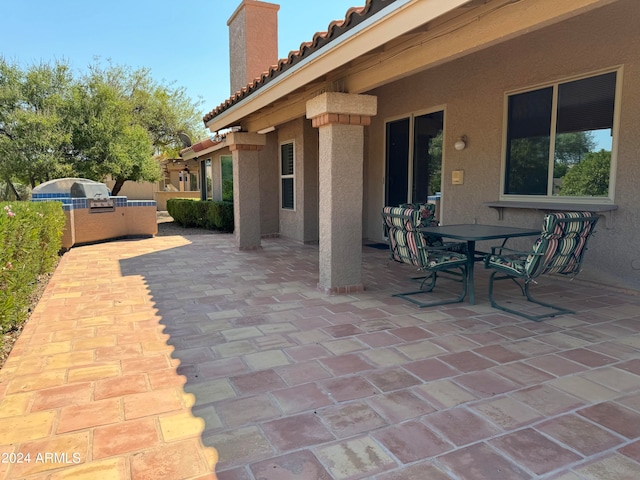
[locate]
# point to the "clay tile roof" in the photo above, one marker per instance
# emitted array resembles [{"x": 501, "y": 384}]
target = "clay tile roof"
[{"x": 353, "y": 17}]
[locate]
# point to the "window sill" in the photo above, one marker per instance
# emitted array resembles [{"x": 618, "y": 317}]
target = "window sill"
[{"x": 551, "y": 206}]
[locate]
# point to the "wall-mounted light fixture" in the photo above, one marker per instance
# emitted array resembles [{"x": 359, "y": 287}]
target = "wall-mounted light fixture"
[{"x": 461, "y": 143}]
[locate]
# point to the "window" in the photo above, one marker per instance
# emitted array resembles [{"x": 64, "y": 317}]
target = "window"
[
  {"x": 560, "y": 139},
  {"x": 226, "y": 177},
  {"x": 208, "y": 178},
  {"x": 287, "y": 178}
]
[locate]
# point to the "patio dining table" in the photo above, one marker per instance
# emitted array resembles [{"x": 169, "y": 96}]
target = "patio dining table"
[{"x": 473, "y": 233}]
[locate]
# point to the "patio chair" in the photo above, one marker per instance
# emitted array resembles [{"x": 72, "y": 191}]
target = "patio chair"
[
  {"x": 424, "y": 215},
  {"x": 559, "y": 249},
  {"x": 409, "y": 246}
]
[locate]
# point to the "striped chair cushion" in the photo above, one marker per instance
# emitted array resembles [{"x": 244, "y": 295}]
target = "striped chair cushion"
[
  {"x": 397, "y": 218},
  {"x": 513, "y": 264},
  {"x": 558, "y": 250},
  {"x": 410, "y": 248},
  {"x": 424, "y": 213},
  {"x": 566, "y": 241}
]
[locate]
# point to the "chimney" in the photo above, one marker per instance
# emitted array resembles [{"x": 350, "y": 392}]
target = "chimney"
[{"x": 253, "y": 41}]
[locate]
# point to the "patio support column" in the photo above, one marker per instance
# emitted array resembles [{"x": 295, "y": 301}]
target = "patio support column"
[
  {"x": 245, "y": 149},
  {"x": 340, "y": 119}
]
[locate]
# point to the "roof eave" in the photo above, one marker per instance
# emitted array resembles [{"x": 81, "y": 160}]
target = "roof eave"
[{"x": 399, "y": 18}]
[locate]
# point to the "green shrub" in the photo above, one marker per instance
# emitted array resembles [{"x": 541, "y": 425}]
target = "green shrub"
[
  {"x": 200, "y": 213},
  {"x": 30, "y": 241}
]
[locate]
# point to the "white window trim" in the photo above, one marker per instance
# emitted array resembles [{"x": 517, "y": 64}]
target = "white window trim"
[
  {"x": 614, "y": 141},
  {"x": 292, "y": 176}
]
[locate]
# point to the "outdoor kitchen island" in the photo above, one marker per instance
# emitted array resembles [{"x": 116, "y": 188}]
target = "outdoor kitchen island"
[{"x": 92, "y": 215}]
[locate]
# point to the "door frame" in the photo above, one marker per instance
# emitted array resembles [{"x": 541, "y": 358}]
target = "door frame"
[{"x": 411, "y": 116}]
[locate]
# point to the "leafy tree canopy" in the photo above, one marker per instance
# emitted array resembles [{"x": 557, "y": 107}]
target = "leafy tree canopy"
[
  {"x": 590, "y": 177},
  {"x": 111, "y": 121},
  {"x": 33, "y": 134},
  {"x": 572, "y": 147}
]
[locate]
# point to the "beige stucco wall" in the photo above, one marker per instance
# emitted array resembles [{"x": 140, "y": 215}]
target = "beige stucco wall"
[
  {"x": 69, "y": 232},
  {"x": 237, "y": 49},
  {"x": 269, "y": 186},
  {"x": 135, "y": 190},
  {"x": 93, "y": 227},
  {"x": 301, "y": 224},
  {"x": 253, "y": 41},
  {"x": 84, "y": 227},
  {"x": 472, "y": 92},
  {"x": 292, "y": 221},
  {"x": 141, "y": 221},
  {"x": 162, "y": 197},
  {"x": 309, "y": 190}
]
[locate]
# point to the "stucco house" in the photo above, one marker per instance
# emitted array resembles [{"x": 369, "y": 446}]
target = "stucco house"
[
  {"x": 508, "y": 108},
  {"x": 180, "y": 179}
]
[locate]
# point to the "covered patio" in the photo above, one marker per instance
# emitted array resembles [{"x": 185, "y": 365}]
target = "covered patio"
[
  {"x": 177, "y": 354},
  {"x": 472, "y": 102}
]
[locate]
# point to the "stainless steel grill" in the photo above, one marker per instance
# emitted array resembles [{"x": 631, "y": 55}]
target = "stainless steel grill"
[{"x": 97, "y": 196}]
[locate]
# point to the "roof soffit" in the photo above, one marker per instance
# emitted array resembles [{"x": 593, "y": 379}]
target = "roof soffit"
[
  {"x": 355, "y": 16},
  {"x": 362, "y": 36},
  {"x": 458, "y": 34},
  {"x": 408, "y": 39}
]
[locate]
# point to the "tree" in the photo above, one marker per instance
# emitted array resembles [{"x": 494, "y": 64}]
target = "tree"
[
  {"x": 435, "y": 163},
  {"x": 227, "y": 178},
  {"x": 570, "y": 148},
  {"x": 527, "y": 166},
  {"x": 110, "y": 122},
  {"x": 528, "y": 160},
  {"x": 34, "y": 137},
  {"x": 106, "y": 139},
  {"x": 590, "y": 177},
  {"x": 122, "y": 118}
]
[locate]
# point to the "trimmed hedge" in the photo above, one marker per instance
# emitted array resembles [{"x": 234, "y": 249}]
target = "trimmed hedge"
[
  {"x": 30, "y": 242},
  {"x": 200, "y": 213}
]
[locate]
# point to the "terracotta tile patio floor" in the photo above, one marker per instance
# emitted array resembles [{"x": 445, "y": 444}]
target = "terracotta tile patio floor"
[{"x": 160, "y": 358}]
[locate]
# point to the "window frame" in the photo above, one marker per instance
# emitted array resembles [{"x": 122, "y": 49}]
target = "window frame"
[
  {"x": 292, "y": 176},
  {"x": 549, "y": 197}
]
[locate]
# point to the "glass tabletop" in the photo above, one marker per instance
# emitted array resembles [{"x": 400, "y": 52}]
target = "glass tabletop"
[{"x": 478, "y": 232}]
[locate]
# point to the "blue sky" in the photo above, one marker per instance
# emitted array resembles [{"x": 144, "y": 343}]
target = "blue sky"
[{"x": 184, "y": 43}]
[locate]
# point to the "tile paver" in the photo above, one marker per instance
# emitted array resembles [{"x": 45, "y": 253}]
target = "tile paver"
[
  {"x": 535, "y": 451},
  {"x": 412, "y": 441},
  {"x": 400, "y": 405},
  {"x": 359, "y": 457},
  {"x": 481, "y": 462},
  {"x": 172, "y": 357},
  {"x": 582, "y": 436},
  {"x": 351, "y": 419}
]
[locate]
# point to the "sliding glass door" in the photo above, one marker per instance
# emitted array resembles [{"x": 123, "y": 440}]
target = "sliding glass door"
[{"x": 413, "y": 158}]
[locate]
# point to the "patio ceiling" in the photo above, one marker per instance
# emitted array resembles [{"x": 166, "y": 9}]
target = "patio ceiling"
[{"x": 412, "y": 37}]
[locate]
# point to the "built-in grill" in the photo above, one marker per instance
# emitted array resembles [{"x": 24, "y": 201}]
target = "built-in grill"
[{"x": 97, "y": 196}]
